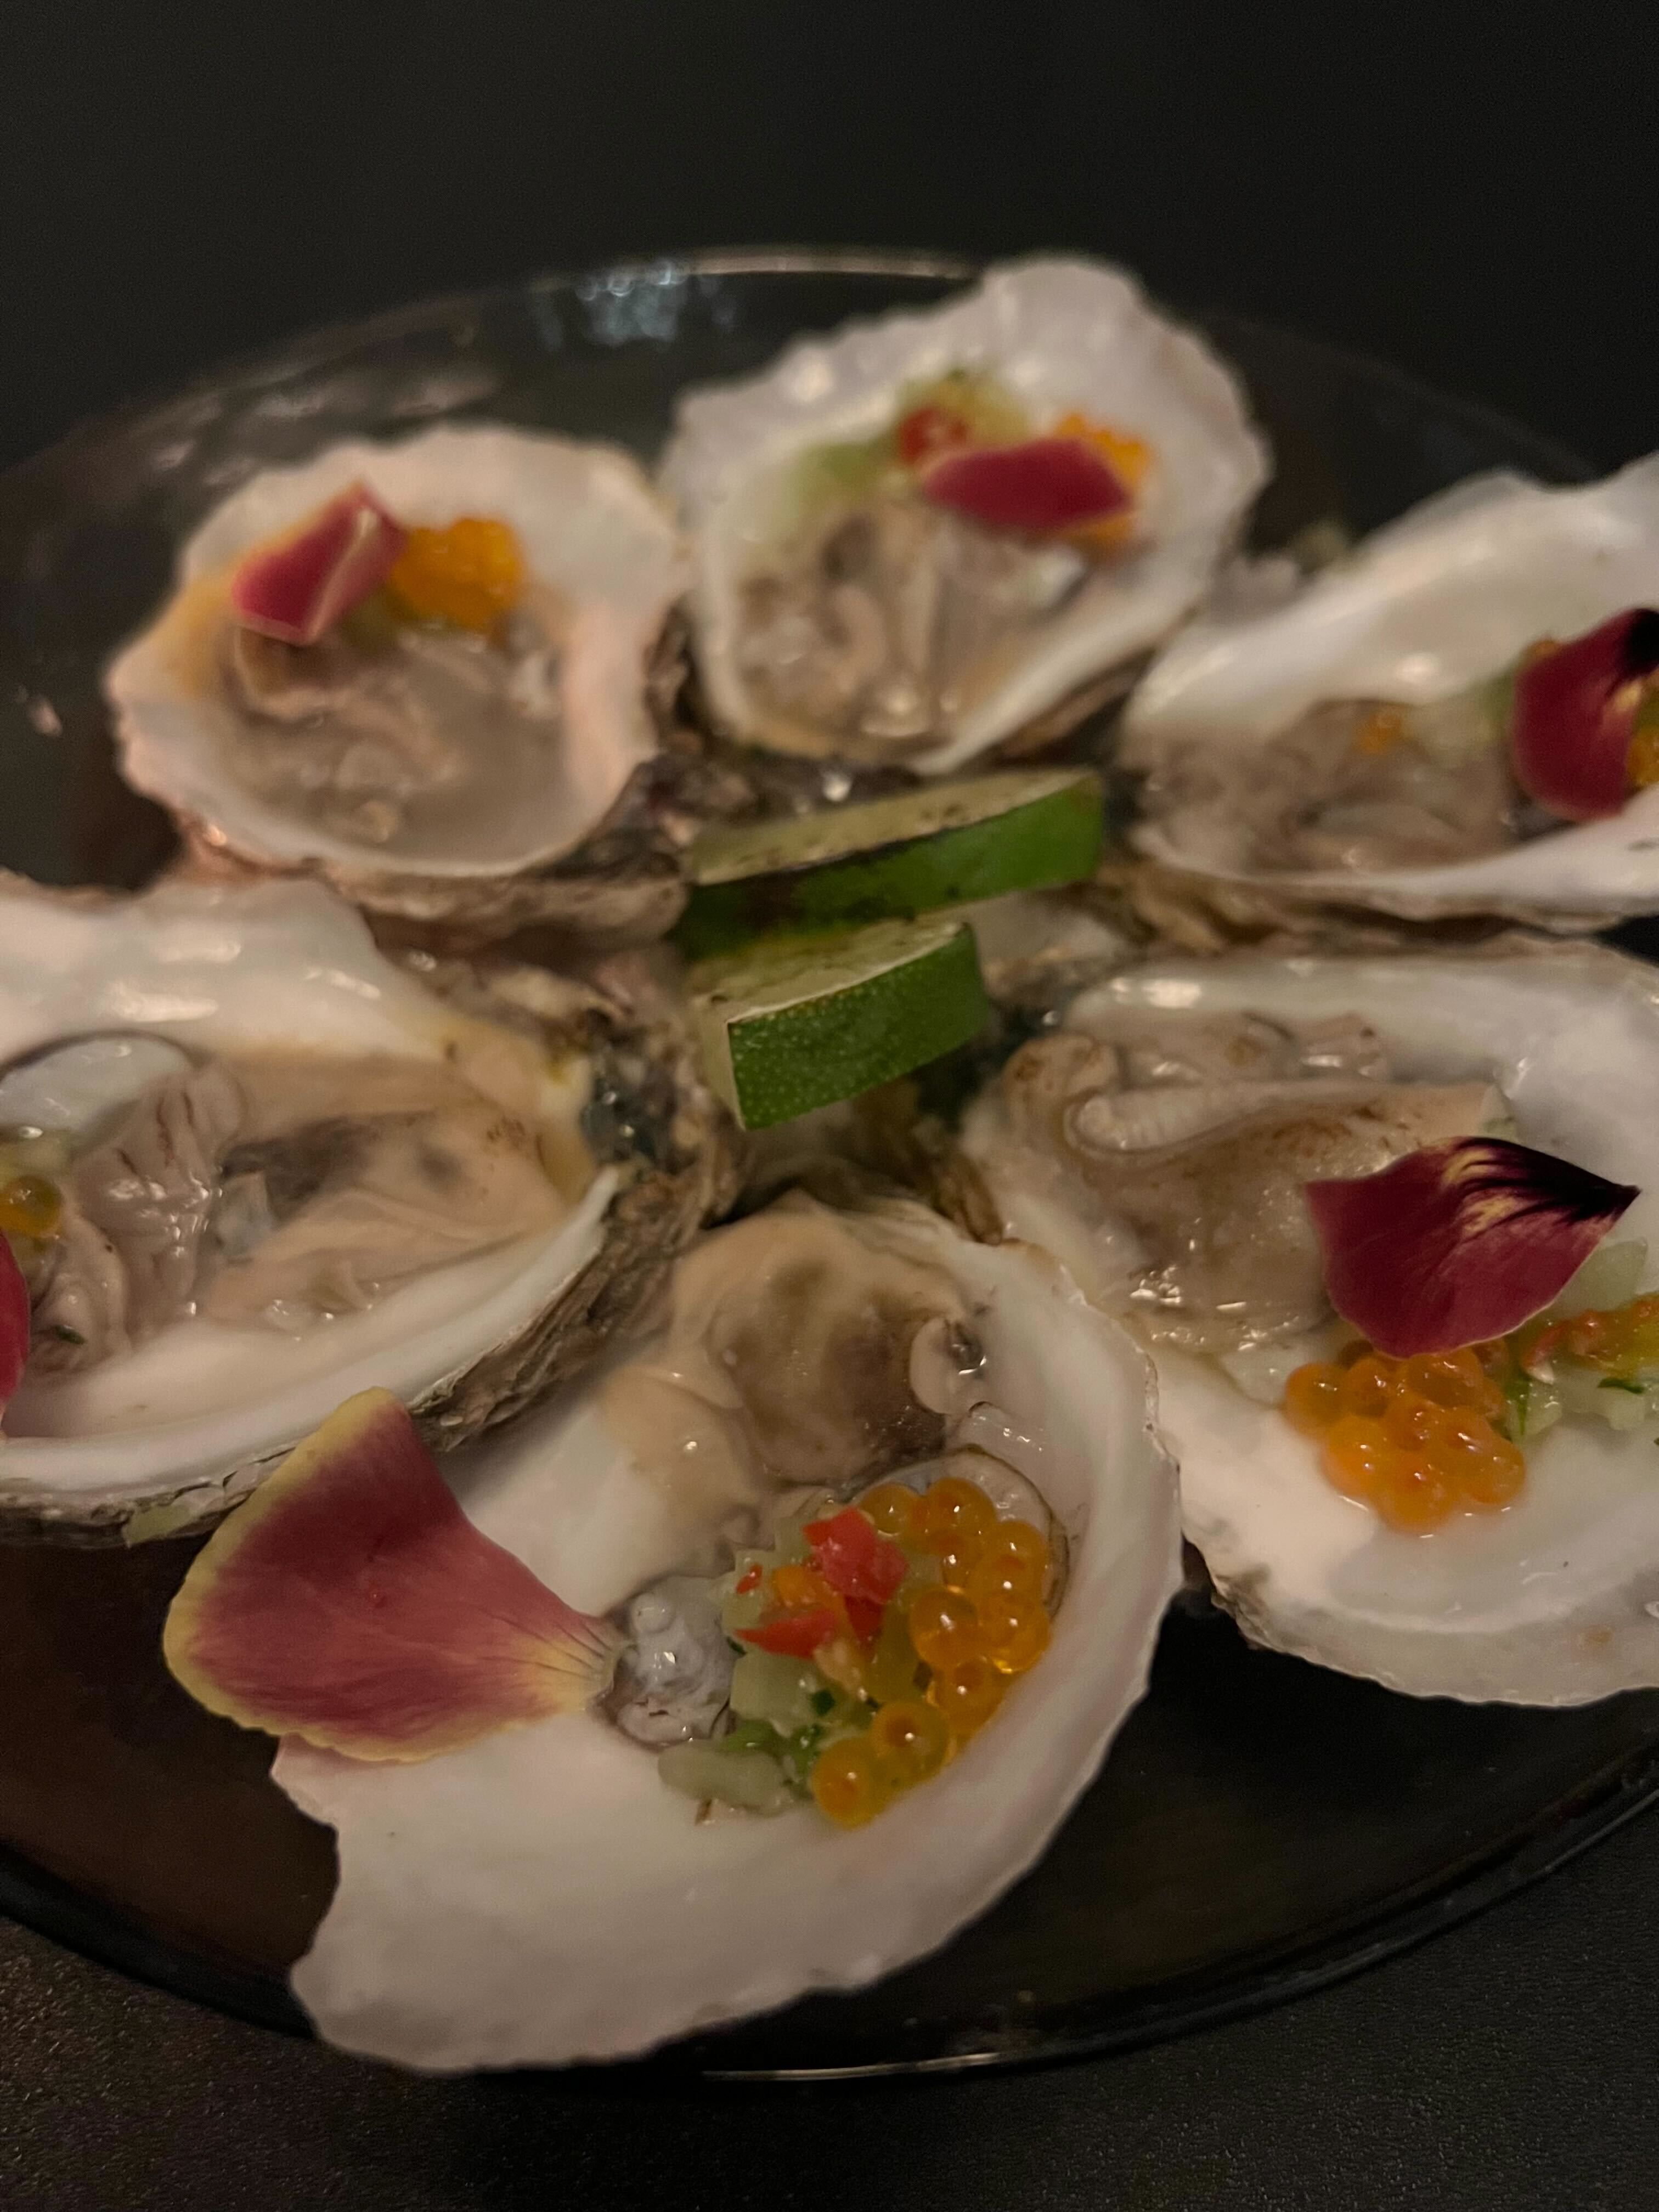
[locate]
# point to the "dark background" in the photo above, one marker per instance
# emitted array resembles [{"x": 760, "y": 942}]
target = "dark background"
[{"x": 1467, "y": 190}]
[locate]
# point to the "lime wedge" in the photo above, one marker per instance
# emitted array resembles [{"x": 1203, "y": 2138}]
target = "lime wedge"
[
  {"x": 793, "y": 1023},
  {"x": 944, "y": 846}
]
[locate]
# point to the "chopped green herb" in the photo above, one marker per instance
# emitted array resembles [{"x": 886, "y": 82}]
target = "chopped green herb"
[
  {"x": 65, "y": 1335},
  {"x": 823, "y": 1701},
  {"x": 1616, "y": 1383}
]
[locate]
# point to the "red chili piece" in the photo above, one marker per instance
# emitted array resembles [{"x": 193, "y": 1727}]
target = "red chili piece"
[
  {"x": 795, "y": 1635},
  {"x": 854, "y": 1559}
]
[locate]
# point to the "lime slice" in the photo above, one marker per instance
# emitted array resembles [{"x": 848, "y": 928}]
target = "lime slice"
[
  {"x": 944, "y": 846},
  {"x": 793, "y": 1023}
]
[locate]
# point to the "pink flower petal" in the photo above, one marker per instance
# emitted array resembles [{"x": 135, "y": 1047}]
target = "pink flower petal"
[
  {"x": 14, "y": 1322},
  {"x": 299, "y": 587},
  {"x": 351, "y": 1602},
  {"x": 1574, "y": 712},
  {"x": 1043, "y": 485},
  {"x": 1458, "y": 1242}
]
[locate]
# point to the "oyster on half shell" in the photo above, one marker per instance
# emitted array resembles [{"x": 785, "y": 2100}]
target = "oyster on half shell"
[
  {"x": 1350, "y": 747},
  {"x": 276, "y": 1167},
  {"x": 841, "y": 609},
  {"x": 433, "y": 775},
  {"x": 1209, "y": 1075},
  {"x": 543, "y": 1895}
]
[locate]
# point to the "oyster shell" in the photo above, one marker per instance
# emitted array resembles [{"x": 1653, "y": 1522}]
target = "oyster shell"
[
  {"x": 1554, "y": 1601},
  {"x": 289, "y": 1168},
  {"x": 345, "y": 766},
  {"x": 1243, "y": 724},
  {"x": 1059, "y": 336},
  {"x": 541, "y": 1896}
]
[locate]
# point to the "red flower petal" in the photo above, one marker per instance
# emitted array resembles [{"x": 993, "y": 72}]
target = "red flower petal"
[
  {"x": 796, "y": 1635},
  {"x": 14, "y": 1322},
  {"x": 297, "y": 589},
  {"x": 351, "y": 1601},
  {"x": 1043, "y": 484},
  {"x": 1458, "y": 1242},
  {"x": 1574, "y": 712},
  {"x": 854, "y": 1559}
]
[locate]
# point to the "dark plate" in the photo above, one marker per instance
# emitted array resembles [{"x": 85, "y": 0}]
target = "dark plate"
[{"x": 1261, "y": 1827}]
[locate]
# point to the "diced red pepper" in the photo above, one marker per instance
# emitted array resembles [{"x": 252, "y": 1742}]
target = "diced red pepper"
[
  {"x": 854, "y": 1559},
  {"x": 795, "y": 1635},
  {"x": 750, "y": 1579},
  {"x": 926, "y": 432}
]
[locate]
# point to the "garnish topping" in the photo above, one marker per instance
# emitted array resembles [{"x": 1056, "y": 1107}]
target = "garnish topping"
[
  {"x": 1043, "y": 486},
  {"x": 876, "y": 1641},
  {"x": 1580, "y": 737},
  {"x": 470, "y": 575},
  {"x": 1458, "y": 1242},
  {"x": 351, "y": 1602},
  {"x": 14, "y": 1322},
  {"x": 298, "y": 588}
]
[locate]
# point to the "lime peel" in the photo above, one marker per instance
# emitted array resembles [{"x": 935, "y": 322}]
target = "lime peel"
[
  {"x": 794, "y": 1023},
  {"x": 910, "y": 854}
]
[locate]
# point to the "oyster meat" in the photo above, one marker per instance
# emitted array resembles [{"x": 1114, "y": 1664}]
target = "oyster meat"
[
  {"x": 850, "y": 601},
  {"x": 569, "y": 1903},
  {"x": 1552, "y": 1601},
  {"x": 485, "y": 772},
  {"x": 1352, "y": 744},
  {"x": 258, "y": 1162}
]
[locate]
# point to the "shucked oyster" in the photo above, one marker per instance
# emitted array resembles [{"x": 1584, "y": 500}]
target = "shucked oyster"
[
  {"x": 929, "y": 533},
  {"x": 1160, "y": 1142},
  {"x": 436, "y": 696},
  {"x": 247, "y": 1165},
  {"x": 628, "y": 1867},
  {"x": 1376, "y": 740}
]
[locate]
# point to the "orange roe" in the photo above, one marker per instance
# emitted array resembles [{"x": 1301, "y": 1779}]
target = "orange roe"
[
  {"x": 470, "y": 575},
  {"x": 1128, "y": 458},
  {"x": 931, "y": 1666},
  {"x": 1415, "y": 1439},
  {"x": 30, "y": 1206},
  {"x": 1383, "y": 729}
]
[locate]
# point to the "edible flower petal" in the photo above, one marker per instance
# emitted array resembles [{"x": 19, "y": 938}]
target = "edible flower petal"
[
  {"x": 1575, "y": 708},
  {"x": 1043, "y": 485},
  {"x": 1458, "y": 1242},
  {"x": 351, "y": 1602},
  {"x": 299, "y": 587},
  {"x": 854, "y": 1559},
  {"x": 14, "y": 1322}
]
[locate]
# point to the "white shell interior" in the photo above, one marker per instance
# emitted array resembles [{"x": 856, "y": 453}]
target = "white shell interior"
[
  {"x": 1450, "y": 593},
  {"x": 285, "y": 965},
  {"x": 541, "y": 1896},
  {"x": 1555, "y": 1601},
  {"x": 590, "y": 526},
  {"x": 1059, "y": 335}
]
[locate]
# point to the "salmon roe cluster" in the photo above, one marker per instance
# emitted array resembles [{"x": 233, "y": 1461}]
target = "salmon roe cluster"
[
  {"x": 470, "y": 575},
  {"x": 1415, "y": 1439},
  {"x": 917, "y": 1609}
]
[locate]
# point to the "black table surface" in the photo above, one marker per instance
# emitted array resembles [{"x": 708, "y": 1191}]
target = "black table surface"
[{"x": 1467, "y": 192}]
